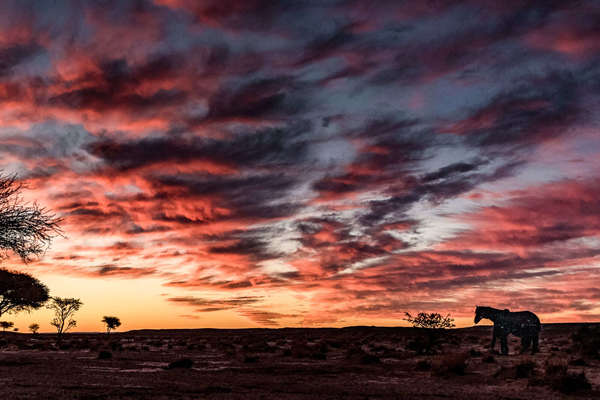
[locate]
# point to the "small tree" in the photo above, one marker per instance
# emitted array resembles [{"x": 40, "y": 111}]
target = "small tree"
[
  {"x": 34, "y": 328},
  {"x": 111, "y": 323},
  {"x": 25, "y": 229},
  {"x": 20, "y": 292},
  {"x": 64, "y": 309},
  {"x": 430, "y": 321},
  {"x": 6, "y": 325},
  {"x": 431, "y": 331}
]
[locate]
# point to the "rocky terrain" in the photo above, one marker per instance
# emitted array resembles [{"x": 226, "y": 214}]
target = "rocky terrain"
[{"x": 353, "y": 363}]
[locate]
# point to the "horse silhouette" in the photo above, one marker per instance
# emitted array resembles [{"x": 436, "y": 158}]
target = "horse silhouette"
[{"x": 523, "y": 324}]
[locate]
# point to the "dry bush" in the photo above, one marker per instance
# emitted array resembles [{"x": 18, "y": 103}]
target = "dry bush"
[
  {"x": 572, "y": 383},
  {"x": 357, "y": 354},
  {"x": 450, "y": 364},
  {"x": 524, "y": 369},
  {"x": 555, "y": 367},
  {"x": 104, "y": 355},
  {"x": 586, "y": 341},
  {"x": 559, "y": 378},
  {"x": 520, "y": 370}
]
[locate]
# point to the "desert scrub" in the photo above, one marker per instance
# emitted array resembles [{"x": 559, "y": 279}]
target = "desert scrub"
[
  {"x": 572, "y": 383},
  {"x": 586, "y": 341},
  {"x": 555, "y": 367},
  {"x": 524, "y": 369},
  {"x": 558, "y": 377},
  {"x": 450, "y": 364}
]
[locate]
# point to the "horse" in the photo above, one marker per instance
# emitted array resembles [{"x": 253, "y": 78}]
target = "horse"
[{"x": 523, "y": 324}]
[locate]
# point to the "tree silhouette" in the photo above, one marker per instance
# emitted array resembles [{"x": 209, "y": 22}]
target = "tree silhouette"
[
  {"x": 430, "y": 320},
  {"x": 63, "y": 308},
  {"x": 25, "y": 229},
  {"x": 111, "y": 323},
  {"x": 34, "y": 328},
  {"x": 6, "y": 325},
  {"x": 20, "y": 292}
]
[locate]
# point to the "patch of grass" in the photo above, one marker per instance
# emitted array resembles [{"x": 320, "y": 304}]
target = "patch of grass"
[{"x": 104, "y": 355}]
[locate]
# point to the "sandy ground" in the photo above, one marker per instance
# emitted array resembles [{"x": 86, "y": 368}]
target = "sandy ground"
[{"x": 353, "y": 363}]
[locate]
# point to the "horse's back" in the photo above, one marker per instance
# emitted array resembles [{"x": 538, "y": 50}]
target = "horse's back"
[{"x": 525, "y": 320}]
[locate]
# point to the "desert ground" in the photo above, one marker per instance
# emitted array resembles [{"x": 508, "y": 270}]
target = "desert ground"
[{"x": 352, "y": 363}]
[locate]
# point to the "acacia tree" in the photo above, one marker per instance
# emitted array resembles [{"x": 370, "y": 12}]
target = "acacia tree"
[
  {"x": 25, "y": 229},
  {"x": 20, "y": 292},
  {"x": 111, "y": 323},
  {"x": 6, "y": 325},
  {"x": 64, "y": 309},
  {"x": 430, "y": 320},
  {"x": 34, "y": 328}
]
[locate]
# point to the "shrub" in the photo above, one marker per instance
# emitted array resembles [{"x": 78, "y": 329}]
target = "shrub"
[
  {"x": 572, "y": 383},
  {"x": 586, "y": 341},
  {"x": 430, "y": 320},
  {"x": 524, "y": 369},
  {"x": 555, "y": 367},
  {"x": 450, "y": 364},
  {"x": 104, "y": 355}
]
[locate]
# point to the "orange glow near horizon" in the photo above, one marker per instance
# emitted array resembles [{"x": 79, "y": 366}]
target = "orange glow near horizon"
[{"x": 248, "y": 165}]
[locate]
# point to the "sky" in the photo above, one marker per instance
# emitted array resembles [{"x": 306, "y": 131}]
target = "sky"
[{"x": 260, "y": 163}]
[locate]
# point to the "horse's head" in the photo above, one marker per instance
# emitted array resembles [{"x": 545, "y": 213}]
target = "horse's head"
[{"x": 478, "y": 314}]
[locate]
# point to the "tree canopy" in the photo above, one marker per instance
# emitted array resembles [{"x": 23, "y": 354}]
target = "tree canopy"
[
  {"x": 111, "y": 323},
  {"x": 430, "y": 320},
  {"x": 20, "y": 292},
  {"x": 34, "y": 328},
  {"x": 6, "y": 325},
  {"x": 25, "y": 229},
  {"x": 64, "y": 309}
]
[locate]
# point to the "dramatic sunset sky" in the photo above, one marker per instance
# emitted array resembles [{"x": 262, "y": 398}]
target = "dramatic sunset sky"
[{"x": 307, "y": 163}]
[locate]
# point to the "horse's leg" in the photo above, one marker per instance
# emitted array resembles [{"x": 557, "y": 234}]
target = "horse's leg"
[
  {"x": 525, "y": 342},
  {"x": 493, "y": 344},
  {"x": 504, "y": 343},
  {"x": 536, "y": 344}
]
